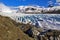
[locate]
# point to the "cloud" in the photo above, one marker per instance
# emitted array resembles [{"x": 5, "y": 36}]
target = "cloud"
[{"x": 57, "y": 0}]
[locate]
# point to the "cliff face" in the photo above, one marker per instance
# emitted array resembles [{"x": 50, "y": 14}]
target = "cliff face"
[{"x": 10, "y": 31}]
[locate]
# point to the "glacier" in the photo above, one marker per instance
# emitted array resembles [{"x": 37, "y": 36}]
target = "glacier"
[
  {"x": 46, "y": 21},
  {"x": 41, "y": 20}
]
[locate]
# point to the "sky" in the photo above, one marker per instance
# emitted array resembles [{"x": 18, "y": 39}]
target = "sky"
[{"x": 25, "y": 2}]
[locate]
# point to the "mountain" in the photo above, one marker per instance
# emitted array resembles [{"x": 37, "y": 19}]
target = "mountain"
[
  {"x": 9, "y": 30},
  {"x": 38, "y": 9},
  {"x": 4, "y": 8},
  {"x": 30, "y": 9},
  {"x": 12, "y": 30}
]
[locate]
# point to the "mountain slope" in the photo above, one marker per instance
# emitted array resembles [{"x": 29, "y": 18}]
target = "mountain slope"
[{"x": 10, "y": 31}]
